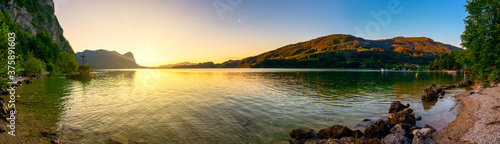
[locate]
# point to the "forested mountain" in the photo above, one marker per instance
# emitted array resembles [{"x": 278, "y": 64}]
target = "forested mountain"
[
  {"x": 347, "y": 51},
  {"x": 103, "y": 59},
  {"x": 38, "y": 37}
]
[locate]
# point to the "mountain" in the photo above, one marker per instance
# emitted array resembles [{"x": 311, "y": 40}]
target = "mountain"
[
  {"x": 347, "y": 51},
  {"x": 103, "y": 59}
]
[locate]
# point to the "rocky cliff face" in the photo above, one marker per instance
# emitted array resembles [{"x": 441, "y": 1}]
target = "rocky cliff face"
[
  {"x": 35, "y": 16},
  {"x": 130, "y": 55}
]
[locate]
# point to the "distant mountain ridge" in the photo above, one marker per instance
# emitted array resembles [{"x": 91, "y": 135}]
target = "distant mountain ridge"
[
  {"x": 103, "y": 59},
  {"x": 420, "y": 49}
]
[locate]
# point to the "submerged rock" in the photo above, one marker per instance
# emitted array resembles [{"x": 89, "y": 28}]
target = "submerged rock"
[
  {"x": 396, "y": 139},
  {"x": 46, "y": 132},
  {"x": 335, "y": 131},
  {"x": 378, "y": 130},
  {"x": 57, "y": 140},
  {"x": 118, "y": 139},
  {"x": 298, "y": 134}
]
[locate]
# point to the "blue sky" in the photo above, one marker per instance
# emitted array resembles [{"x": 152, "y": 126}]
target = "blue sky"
[{"x": 171, "y": 31}]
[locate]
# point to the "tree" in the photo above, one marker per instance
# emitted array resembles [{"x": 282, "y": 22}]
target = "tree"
[
  {"x": 33, "y": 66},
  {"x": 481, "y": 37}
]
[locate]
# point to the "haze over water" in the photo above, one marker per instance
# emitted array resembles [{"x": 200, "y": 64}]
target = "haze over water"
[{"x": 239, "y": 105}]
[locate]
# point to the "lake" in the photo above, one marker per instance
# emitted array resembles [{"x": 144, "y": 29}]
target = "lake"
[{"x": 230, "y": 105}]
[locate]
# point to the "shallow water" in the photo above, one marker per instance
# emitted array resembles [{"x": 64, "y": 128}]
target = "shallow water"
[{"x": 236, "y": 105}]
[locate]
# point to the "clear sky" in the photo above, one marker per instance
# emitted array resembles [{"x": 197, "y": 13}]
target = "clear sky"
[{"x": 170, "y": 31}]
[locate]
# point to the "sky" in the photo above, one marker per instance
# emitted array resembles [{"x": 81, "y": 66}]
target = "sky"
[{"x": 160, "y": 32}]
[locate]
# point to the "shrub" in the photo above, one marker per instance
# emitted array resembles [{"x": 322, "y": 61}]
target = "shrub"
[{"x": 33, "y": 66}]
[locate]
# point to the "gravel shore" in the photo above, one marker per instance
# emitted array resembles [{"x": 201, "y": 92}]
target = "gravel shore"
[{"x": 478, "y": 120}]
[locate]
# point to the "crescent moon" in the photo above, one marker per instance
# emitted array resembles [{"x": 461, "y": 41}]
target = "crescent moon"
[{"x": 239, "y": 20}]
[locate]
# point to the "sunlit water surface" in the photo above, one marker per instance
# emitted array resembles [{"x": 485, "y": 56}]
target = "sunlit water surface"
[{"x": 240, "y": 105}]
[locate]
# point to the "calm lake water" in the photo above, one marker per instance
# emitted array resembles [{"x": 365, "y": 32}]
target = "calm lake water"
[{"x": 233, "y": 105}]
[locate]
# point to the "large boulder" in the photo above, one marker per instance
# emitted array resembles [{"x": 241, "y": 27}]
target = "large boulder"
[
  {"x": 423, "y": 136},
  {"x": 404, "y": 116},
  {"x": 430, "y": 93},
  {"x": 396, "y": 139},
  {"x": 335, "y": 131},
  {"x": 298, "y": 134},
  {"x": 396, "y": 106},
  {"x": 402, "y": 129},
  {"x": 378, "y": 130}
]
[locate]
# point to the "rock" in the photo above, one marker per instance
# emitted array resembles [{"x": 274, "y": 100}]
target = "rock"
[
  {"x": 378, "y": 130},
  {"x": 3, "y": 108},
  {"x": 4, "y": 92},
  {"x": 357, "y": 134},
  {"x": 419, "y": 118},
  {"x": 404, "y": 116},
  {"x": 441, "y": 91},
  {"x": 450, "y": 87},
  {"x": 141, "y": 141},
  {"x": 46, "y": 132},
  {"x": 2, "y": 128},
  {"x": 423, "y": 136},
  {"x": 28, "y": 82},
  {"x": 366, "y": 119},
  {"x": 57, "y": 140},
  {"x": 14, "y": 85},
  {"x": 335, "y": 131},
  {"x": 433, "y": 130},
  {"x": 402, "y": 129},
  {"x": 298, "y": 134},
  {"x": 344, "y": 140},
  {"x": 422, "y": 140},
  {"x": 118, "y": 139},
  {"x": 14, "y": 111},
  {"x": 365, "y": 140},
  {"x": 72, "y": 128},
  {"x": 396, "y": 139},
  {"x": 396, "y": 106},
  {"x": 430, "y": 93},
  {"x": 423, "y": 131}
]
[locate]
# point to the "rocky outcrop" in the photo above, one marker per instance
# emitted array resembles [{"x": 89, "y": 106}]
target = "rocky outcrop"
[
  {"x": 399, "y": 129},
  {"x": 378, "y": 130},
  {"x": 302, "y": 134},
  {"x": 37, "y": 21},
  {"x": 335, "y": 131},
  {"x": 396, "y": 106},
  {"x": 432, "y": 93}
]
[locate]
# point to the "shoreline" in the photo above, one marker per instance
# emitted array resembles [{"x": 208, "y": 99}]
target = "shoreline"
[{"x": 478, "y": 120}]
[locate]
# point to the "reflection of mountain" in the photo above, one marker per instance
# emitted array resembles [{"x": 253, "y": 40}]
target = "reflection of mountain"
[{"x": 103, "y": 59}]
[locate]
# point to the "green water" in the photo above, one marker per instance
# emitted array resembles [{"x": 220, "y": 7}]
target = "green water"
[{"x": 226, "y": 105}]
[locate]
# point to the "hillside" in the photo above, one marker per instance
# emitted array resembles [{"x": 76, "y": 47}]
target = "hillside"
[
  {"x": 103, "y": 59},
  {"x": 35, "y": 16},
  {"x": 38, "y": 36},
  {"x": 347, "y": 51}
]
